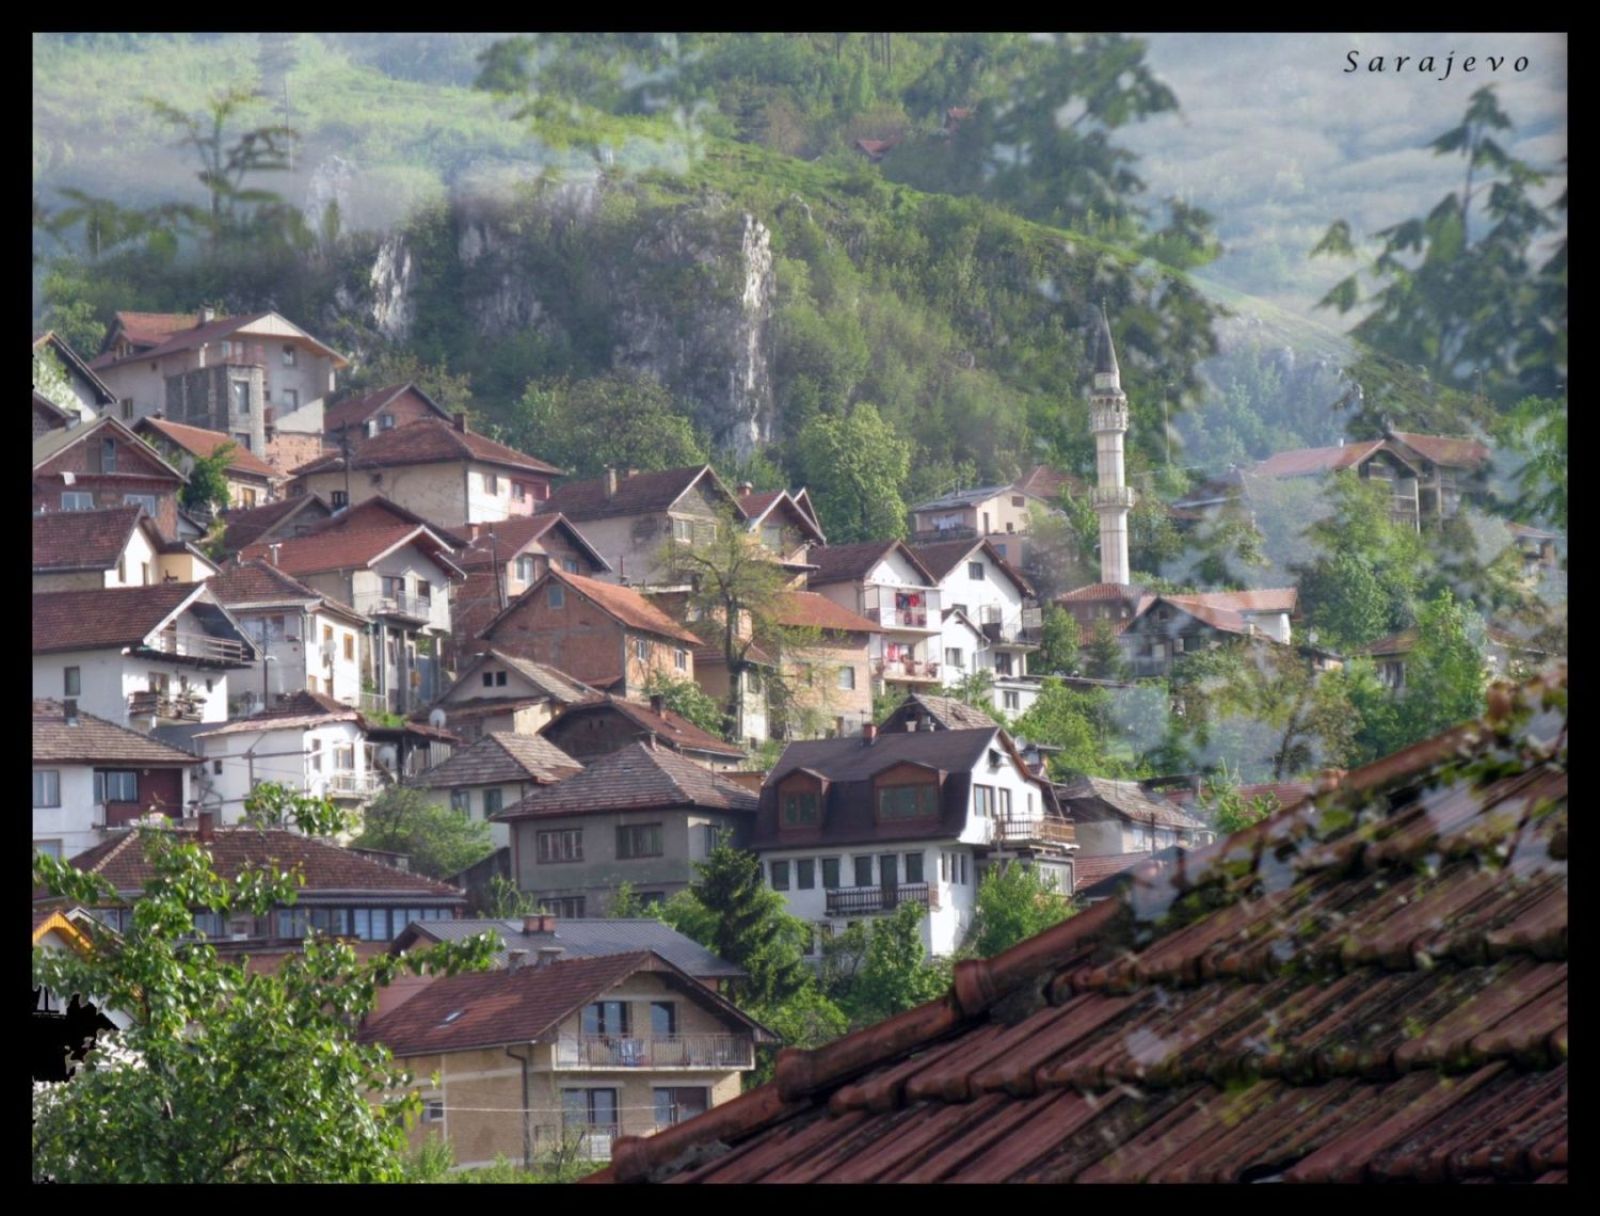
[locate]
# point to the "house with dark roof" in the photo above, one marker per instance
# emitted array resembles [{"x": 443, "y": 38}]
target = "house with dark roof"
[
  {"x": 363, "y": 416},
  {"x": 631, "y": 517},
  {"x": 925, "y": 711},
  {"x": 1166, "y": 627},
  {"x": 984, "y": 592},
  {"x": 253, "y": 377},
  {"x": 111, "y": 547},
  {"x": 1122, "y": 817},
  {"x": 495, "y": 771},
  {"x": 440, "y": 469},
  {"x": 496, "y": 691},
  {"x": 48, "y": 416},
  {"x": 343, "y": 894},
  {"x": 281, "y": 520},
  {"x": 138, "y": 656},
  {"x": 830, "y": 676},
  {"x": 90, "y": 394},
  {"x": 590, "y": 729},
  {"x": 786, "y": 527},
  {"x": 103, "y": 464},
  {"x": 251, "y": 481},
  {"x": 504, "y": 559},
  {"x": 91, "y": 776},
  {"x": 641, "y": 815},
  {"x": 381, "y": 511},
  {"x": 567, "y": 1056},
  {"x": 607, "y": 636},
  {"x": 852, "y": 828},
  {"x": 885, "y": 582},
  {"x": 398, "y": 575},
  {"x": 307, "y": 639},
  {"x": 985, "y": 511},
  {"x": 1368, "y": 987}
]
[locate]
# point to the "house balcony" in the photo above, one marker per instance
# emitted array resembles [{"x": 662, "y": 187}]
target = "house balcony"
[
  {"x": 202, "y": 648},
  {"x": 373, "y": 703},
  {"x": 1041, "y": 829},
  {"x": 903, "y": 618},
  {"x": 868, "y": 901},
  {"x": 906, "y": 671},
  {"x": 932, "y": 536},
  {"x": 399, "y": 604},
  {"x": 591, "y": 1052},
  {"x": 353, "y": 785},
  {"x": 1012, "y": 635},
  {"x": 165, "y": 707},
  {"x": 591, "y": 1141}
]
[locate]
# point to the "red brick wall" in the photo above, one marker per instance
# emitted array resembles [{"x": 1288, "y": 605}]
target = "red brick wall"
[
  {"x": 581, "y": 640},
  {"x": 287, "y": 451},
  {"x": 48, "y": 486},
  {"x": 406, "y": 408}
]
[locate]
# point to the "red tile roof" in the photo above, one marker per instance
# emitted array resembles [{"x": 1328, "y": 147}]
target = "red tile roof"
[
  {"x": 353, "y": 411},
  {"x": 809, "y": 610},
  {"x": 501, "y": 758},
  {"x": 198, "y": 441},
  {"x": 1303, "y": 462},
  {"x": 640, "y": 494},
  {"x": 1392, "y": 644},
  {"x": 380, "y": 511},
  {"x": 154, "y": 328},
  {"x": 636, "y": 777},
  {"x": 1096, "y": 592},
  {"x": 82, "y": 540},
  {"x": 503, "y": 540},
  {"x": 329, "y": 870},
  {"x": 337, "y": 549},
  {"x": 1087, "y": 871},
  {"x": 1048, "y": 483},
  {"x": 101, "y": 617},
  {"x": 755, "y": 503},
  {"x": 1225, "y": 619},
  {"x": 260, "y": 582},
  {"x": 1370, "y": 987},
  {"x": 552, "y": 683},
  {"x": 93, "y": 740},
  {"x": 623, "y": 604},
  {"x": 846, "y": 563},
  {"x": 946, "y": 712},
  {"x": 428, "y": 441},
  {"x": 1267, "y": 599},
  {"x": 671, "y": 728},
  {"x": 1129, "y": 801},
  {"x": 1448, "y": 450},
  {"x": 246, "y": 527}
]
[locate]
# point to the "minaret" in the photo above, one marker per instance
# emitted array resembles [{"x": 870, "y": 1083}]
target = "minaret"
[{"x": 1108, "y": 419}]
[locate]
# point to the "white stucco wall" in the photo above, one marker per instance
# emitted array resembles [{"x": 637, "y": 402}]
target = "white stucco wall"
[
  {"x": 72, "y": 823},
  {"x": 283, "y": 756},
  {"x": 108, "y": 678}
]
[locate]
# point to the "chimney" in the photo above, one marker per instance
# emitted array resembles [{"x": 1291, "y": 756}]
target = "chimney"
[
  {"x": 549, "y": 954},
  {"x": 746, "y": 488},
  {"x": 207, "y": 831},
  {"x": 461, "y": 422},
  {"x": 272, "y": 552},
  {"x": 869, "y": 732},
  {"x": 159, "y": 414},
  {"x": 515, "y": 959},
  {"x": 658, "y": 704},
  {"x": 632, "y": 472},
  {"x": 207, "y": 315},
  {"x": 533, "y": 924},
  {"x": 611, "y": 481}
]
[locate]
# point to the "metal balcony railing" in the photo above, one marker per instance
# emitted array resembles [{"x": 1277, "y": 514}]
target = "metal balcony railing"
[
  {"x": 934, "y": 535},
  {"x": 865, "y": 901},
  {"x": 179, "y": 708},
  {"x": 373, "y": 702},
  {"x": 656, "y": 1051},
  {"x": 899, "y": 618},
  {"x": 185, "y": 645},
  {"x": 398, "y": 603},
  {"x": 353, "y": 785},
  {"x": 906, "y": 669}
]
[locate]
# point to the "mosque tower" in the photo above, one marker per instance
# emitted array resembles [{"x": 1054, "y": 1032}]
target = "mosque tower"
[{"x": 1108, "y": 419}]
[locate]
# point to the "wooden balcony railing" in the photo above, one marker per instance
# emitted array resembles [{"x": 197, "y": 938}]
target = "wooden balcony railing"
[
  {"x": 865, "y": 901},
  {"x": 656, "y": 1051},
  {"x": 203, "y": 646},
  {"x": 1041, "y": 830}
]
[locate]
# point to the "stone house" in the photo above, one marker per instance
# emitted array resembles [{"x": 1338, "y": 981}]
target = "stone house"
[
  {"x": 495, "y": 772},
  {"x": 885, "y": 582},
  {"x": 441, "y": 470},
  {"x": 113, "y": 547},
  {"x": 591, "y": 729},
  {"x": 607, "y": 636},
  {"x": 641, "y": 815},
  {"x": 354, "y": 420},
  {"x": 579, "y": 1051},
  {"x": 103, "y": 464},
  {"x": 504, "y": 559},
  {"x": 252, "y": 482},
  {"x": 501, "y": 692},
  {"x": 831, "y": 677}
]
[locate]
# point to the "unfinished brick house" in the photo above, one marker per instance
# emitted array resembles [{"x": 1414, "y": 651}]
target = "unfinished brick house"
[{"x": 103, "y": 464}]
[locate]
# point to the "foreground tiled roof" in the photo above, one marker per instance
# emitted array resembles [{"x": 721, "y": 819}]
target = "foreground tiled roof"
[
  {"x": 501, "y": 758},
  {"x": 1128, "y": 800},
  {"x": 811, "y": 610},
  {"x": 82, "y": 540},
  {"x": 93, "y": 740},
  {"x": 1264, "y": 599},
  {"x": 329, "y": 870},
  {"x": 623, "y": 603},
  {"x": 1088, "y": 871},
  {"x": 1372, "y": 987},
  {"x": 198, "y": 441},
  {"x": 301, "y": 710},
  {"x": 642, "y": 493},
  {"x": 1449, "y": 450},
  {"x": 583, "y": 937},
  {"x": 428, "y": 441},
  {"x": 101, "y": 617},
  {"x": 1048, "y": 483},
  {"x": 636, "y": 777},
  {"x": 1094, "y": 593},
  {"x": 846, "y": 563},
  {"x": 670, "y": 727}
]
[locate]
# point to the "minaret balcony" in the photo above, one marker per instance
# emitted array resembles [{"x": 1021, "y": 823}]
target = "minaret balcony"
[
  {"x": 1108, "y": 416},
  {"x": 1112, "y": 496}
]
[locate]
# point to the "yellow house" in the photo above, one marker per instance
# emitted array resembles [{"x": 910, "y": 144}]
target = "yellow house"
[{"x": 566, "y": 1055}]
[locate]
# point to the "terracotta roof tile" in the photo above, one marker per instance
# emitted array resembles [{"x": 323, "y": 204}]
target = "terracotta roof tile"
[
  {"x": 260, "y": 582},
  {"x": 947, "y": 712},
  {"x": 303, "y": 709},
  {"x": 428, "y": 441},
  {"x": 93, "y": 740},
  {"x": 1340, "y": 993},
  {"x": 1448, "y": 450},
  {"x": 82, "y": 540},
  {"x": 554, "y": 684},
  {"x": 624, "y": 604},
  {"x": 1129, "y": 801},
  {"x": 1304, "y": 462},
  {"x": 671, "y": 728},
  {"x": 103, "y": 617},
  {"x": 642, "y": 493},
  {"x": 582, "y": 937},
  {"x": 198, "y": 441},
  {"x": 380, "y": 511},
  {"x": 635, "y": 777},
  {"x": 353, "y": 411},
  {"x": 1088, "y": 871},
  {"x": 246, "y": 527},
  {"x": 811, "y": 610},
  {"x": 846, "y": 563},
  {"x": 335, "y": 550},
  {"x": 501, "y": 758},
  {"x": 503, "y": 540},
  {"x": 1094, "y": 593}
]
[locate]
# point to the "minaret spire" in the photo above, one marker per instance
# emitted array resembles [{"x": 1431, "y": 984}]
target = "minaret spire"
[{"x": 1108, "y": 420}]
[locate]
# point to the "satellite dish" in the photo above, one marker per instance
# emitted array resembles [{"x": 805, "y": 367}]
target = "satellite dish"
[{"x": 436, "y": 719}]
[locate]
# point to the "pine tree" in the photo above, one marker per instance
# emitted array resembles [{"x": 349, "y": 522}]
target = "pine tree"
[{"x": 752, "y": 928}]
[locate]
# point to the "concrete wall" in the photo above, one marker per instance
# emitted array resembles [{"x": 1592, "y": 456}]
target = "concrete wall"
[
  {"x": 287, "y": 642},
  {"x": 109, "y": 678},
  {"x": 822, "y": 699},
  {"x": 1005, "y": 512},
  {"x": 451, "y": 494},
  {"x": 284, "y": 756}
]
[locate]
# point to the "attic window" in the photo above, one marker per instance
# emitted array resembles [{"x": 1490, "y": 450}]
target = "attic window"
[{"x": 452, "y": 1017}]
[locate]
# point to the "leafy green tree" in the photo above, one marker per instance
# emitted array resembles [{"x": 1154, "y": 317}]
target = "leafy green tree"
[
  {"x": 625, "y": 904},
  {"x": 684, "y": 697},
  {"x": 1536, "y": 431},
  {"x": 1073, "y": 721},
  {"x": 1102, "y": 657},
  {"x": 854, "y": 467},
  {"x": 502, "y": 900},
  {"x": 1228, "y": 809},
  {"x": 976, "y": 689},
  {"x": 439, "y": 840},
  {"x": 895, "y": 974},
  {"x": 1058, "y": 642},
  {"x": 389, "y": 366},
  {"x": 1015, "y": 902},
  {"x": 224, "y": 1074},
  {"x": 627, "y": 420},
  {"x": 1445, "y": 677},
  {"x": 50, "y": 381},
  {"x": 207, "y": 485}
]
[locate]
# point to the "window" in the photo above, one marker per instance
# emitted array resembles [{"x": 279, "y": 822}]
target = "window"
[
  {"x": 350, "y": 646},
  {"x": 565, "y": 845},
  {"x": 847, "y": 677},
  {"x": 46, "y": 787},
  {"x": 1000, "y": 548},
  {"x": 913, "y": 867},
  {"x": 116, "y": 785},
  {"x": 108, "y": 455},
  {"x": 680, "y": 659},
  {"x": 344, "y": 757},
  {"x": 77, "y": 500},
  {"x": 241, "y": 396},
  {"x": 983, "y": 801},
  {"x": 640, "y": 840},
  {"x": 606, "y": 1017},
  {"x": 216, "y": 767},
  {"x": 1002, "y": 663},
  {"x": 680, "y": 1103},
  {"x": 953, "y": 657},
  {"x": 961, "y": 866},
  {"x": 461, "y": 801},
  {"x": 908, "y": 801},
  {"x": 339, "y": 500},
  {"x": 127, "y": 408},
  {"x": 433, "y": 1109},
  {"x": 975, "y": 571},
  {"x": 288, "y": 355},
  {"x": 386, "y": 422},
  {"x": 663, "y": 1018},
  {"x": 805, "y": 874},
  {"x": 558, "y": 597},
  {"x": 682, "y": 529},
  {"x": 72, "y": 681},
  {"x": 772, "y": 536},
  {"x": 570, "y": 906},
  {"x": 491, "y": 483},
  {"x": 493, "y": 800},
  {"x": 291, "y": 399},
  {"x": 52, "y": 848},
  {"x": 799, "y": 807},
  {"x": 710, "y": 834},
  {"x": 525, "y": 569},
  {"x": 830, "y": 873},
  {"x": 394, "y": 586},
  {"x": 327, "y": 633},
  {"x": 316, "y": 751},
  {"x": 570, "y": 565},
  {"x": 424, "y": 590},
  {"x": 780, "y": 876},
  {"x": 641, "y": 649},
  {"x": 1004, "y": 797},
  {"x": 1012, "y": 700},
  {"x": 1018, "y": 501},
  {"x": 519, "y": 491},
  {"x": 863, "y": 871},
  {"x": 590, "y": 1108},
  {"x": 147, "y": 501}
]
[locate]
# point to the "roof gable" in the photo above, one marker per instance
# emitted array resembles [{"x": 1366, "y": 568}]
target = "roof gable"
[
  {"x": 106, "y": 617},
  {"x": 353, "y": 411},
  {"x": 91, "y": 740},
  {"x": 670, "y": 728},
  {"x": 636, "y": 494},
  {"x": 53, "y": 443},
  {"x": 623, "y": 604},
  {"x": 501, "y": 758},
  {"x": 199, "y": 442},
  {"x": 245, "y": 527},
  {"x": 640, "y": 776},
  {"x": 82, "y": 540},
  {"x": 428, "y": 441}
]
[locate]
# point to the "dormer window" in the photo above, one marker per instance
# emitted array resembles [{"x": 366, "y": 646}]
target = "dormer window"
[
  {"x": 385, "y": 421},
  {"x": 799, "y": 808},
  {"x": 908, "y": 792}
]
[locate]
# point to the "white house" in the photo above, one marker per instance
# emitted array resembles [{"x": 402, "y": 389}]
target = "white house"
[
  {"x": 849, "y": 829},
  {"x": 138, "y": 656},
  {"x": 983, "y": 592},
  {"x": 90, "y": 776},
  {"x": 111, "y": 547},
  {"x": 885, "y": 582}
]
